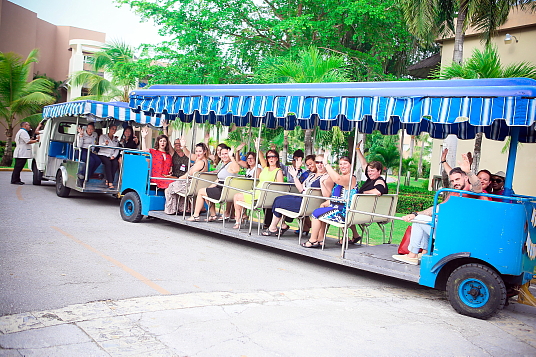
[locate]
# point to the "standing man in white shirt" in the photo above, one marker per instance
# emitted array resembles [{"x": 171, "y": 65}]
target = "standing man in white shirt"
[{"x": 23, "y": 151}]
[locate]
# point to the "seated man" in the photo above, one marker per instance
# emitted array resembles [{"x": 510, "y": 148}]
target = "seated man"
[{"x": 461, "y": 178}]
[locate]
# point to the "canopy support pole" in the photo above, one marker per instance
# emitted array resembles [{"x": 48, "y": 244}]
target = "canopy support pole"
[
  {"x": 188, "y": 180},
  {"x": 512, "y": 153},
  {"x": 348, "y": 199},
  {"x": 400, "y": 160},
  {"x": 255, "y": 178}
]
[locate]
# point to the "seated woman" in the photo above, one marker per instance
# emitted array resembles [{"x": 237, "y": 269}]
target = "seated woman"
[
  {"x": 315, "y": 174},
  {"x": 216, "y": 157},
  {"x": 128, "y": 139},
  {"x": 175, "y": 203},
  {"x": 249, "y": 164},
  {"x": 109, "y": 157},
  {"x": 270, "y": 172},
  {"x": 229, "y": 167},
  {"x": 343, "y": 188},
  {"x": 374, "y": 185},
  {"x": 161, "y": 162}
]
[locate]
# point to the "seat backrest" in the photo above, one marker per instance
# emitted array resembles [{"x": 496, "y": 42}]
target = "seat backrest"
[
  {"x": 383, "y": 206},
  {"x": 242, "y": 183},
  {"x": 196, "y": 185},
  {"x": 361, "y": 202},
  {"x": 309, "y": 204},
  {"x": 267, "y": 198}
]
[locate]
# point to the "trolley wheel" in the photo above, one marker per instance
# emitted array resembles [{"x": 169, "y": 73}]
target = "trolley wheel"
[
  {"x": 37, "y": 175},
  {"x": 476, "y": 290},
  {"x": 131, "y": 207},
  {"x": 61, "y": 190}
]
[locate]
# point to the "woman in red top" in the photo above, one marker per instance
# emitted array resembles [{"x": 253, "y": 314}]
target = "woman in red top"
[{"x": 162, "y": 161}]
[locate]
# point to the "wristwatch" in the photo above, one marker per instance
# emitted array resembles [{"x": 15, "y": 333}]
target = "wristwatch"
[
  {"x": 442, "y": 162},
  {"x": 415, "y": 213}
]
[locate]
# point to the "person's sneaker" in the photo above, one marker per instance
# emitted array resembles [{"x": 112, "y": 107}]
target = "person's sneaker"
[
  {"x": 406, "y": 259},
  {"x": 18, "y": 183}
]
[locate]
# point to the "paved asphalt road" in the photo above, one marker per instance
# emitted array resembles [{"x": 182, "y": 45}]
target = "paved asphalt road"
[{"x": 208, "y": 295}]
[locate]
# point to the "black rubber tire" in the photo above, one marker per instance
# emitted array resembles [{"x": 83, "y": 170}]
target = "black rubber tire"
[
  {"x": 37, "y": 175},
  {"x": 61, "y": 190},
  {"x": 476, "y": 290},
  {"x": 131, "y": 207}
]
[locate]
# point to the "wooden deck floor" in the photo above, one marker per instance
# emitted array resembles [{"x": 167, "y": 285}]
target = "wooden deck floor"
[{"x": 376, "y": 259}]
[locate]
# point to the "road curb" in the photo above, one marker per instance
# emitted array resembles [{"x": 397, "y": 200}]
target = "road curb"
[{"x": 11, "y": 169}]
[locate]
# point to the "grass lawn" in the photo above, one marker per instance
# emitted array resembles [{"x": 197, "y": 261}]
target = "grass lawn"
[
  {"x": 376, "y": 236},
  {"x": 13, "y": 164}
]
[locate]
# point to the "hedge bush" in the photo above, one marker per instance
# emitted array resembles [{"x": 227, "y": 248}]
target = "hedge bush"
[{"x": 411, "y": 199}]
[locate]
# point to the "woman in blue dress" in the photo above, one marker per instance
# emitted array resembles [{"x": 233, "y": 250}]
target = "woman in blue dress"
[
  {"x": 311, "y": 178},
  {"x": 342, "y": 186}
]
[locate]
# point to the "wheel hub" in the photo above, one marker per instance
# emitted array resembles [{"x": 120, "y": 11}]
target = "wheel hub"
[{"x": 473, "y": 293}]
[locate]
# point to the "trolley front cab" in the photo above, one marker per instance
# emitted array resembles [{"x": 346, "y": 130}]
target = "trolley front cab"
[
  {"x": 57, "y": 157},
  {"x": 480, "y": 251}
]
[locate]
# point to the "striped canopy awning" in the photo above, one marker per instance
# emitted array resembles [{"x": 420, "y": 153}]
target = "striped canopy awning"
[
  {"x": 98, "y": 111},
  {"x": 460, "y": 107}
]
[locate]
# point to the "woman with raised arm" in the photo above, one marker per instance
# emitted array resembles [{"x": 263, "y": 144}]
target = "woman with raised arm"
[
  {"x": 343, "y": 187},
  {"x": 109, "y": 157},
  {"x": 270, "y": 172},
  {"x": 229, "y": 167},
  {"x": 249, "y": 164},
  {"x": 161, "y": 158},
  {"x": 128, "y": 139},
  {"x": 174, "y": 202},
  {"x": 311, "y": 178}
]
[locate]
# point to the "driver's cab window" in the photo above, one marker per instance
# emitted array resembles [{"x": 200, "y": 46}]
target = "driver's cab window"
[
  {"x": 64, "y": 132},
  {"x": 67, "y": 128}
]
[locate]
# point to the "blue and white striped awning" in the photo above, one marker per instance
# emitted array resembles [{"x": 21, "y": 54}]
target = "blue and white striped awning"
[
  {"x": 461, "y": 107},
  {"x": 98, "y": 111}
]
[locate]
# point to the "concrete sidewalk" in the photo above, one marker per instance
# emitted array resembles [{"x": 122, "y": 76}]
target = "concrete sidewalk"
[{"x": 307, "y": 322}]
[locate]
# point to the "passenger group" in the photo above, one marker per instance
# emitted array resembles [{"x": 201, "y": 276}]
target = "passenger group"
[{"x": 172, "y": 169}]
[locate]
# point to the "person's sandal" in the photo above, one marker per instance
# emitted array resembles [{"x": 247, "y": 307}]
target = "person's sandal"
[
  {"x": 268, "y": 233},
  {"x": 193, "y": 219},
  {"x": 355, "y": 240},
  {"x": 211, "y": 219},
  {"x": 311, "y": 244}
]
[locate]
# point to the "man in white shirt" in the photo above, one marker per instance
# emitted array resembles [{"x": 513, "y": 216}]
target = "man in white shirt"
[{"x": 23, "y": 151}]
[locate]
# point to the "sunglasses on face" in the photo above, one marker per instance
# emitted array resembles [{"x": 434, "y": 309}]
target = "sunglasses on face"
[
  {"x": 497, "y": 180},
  {"x": 271, "y": 157},
  {"x": 319, "y": 162}
]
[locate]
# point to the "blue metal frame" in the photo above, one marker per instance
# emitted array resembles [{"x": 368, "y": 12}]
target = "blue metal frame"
[
  {"x": 464, "y": 227},
  {"x": 136, "y": 177}
]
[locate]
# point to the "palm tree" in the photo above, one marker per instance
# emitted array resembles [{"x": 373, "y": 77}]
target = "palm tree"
[
  {"x": 20, "y": 99},
  {"x": 116, "y": 58},
  {"x": 388, "y": 155},
  {"x": 486, "y": 64},
  {"x": 432, "y": 18},
  {"x": 311, "y": 66}
]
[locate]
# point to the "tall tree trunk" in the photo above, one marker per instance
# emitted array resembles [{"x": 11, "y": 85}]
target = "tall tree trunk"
[
  {"x": 476, "y": 152},
  {"x": 419, "y": 167},
  {"x": 411, "y": 146},
  {"x": 308, "y": 142},
  {"x": 7, "y": 160},
  {"x": 459, "y": 34}
]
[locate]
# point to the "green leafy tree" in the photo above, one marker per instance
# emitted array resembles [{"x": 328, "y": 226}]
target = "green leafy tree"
[
  {"x": 370, "y": 34},
  {"x": 20, "y": 99},
  {"x": 116, "y": 58},
  {"x": 384, "y": 149},
  {"x": 486, "y": 64},
  {"x": 311, "y": 66}
]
